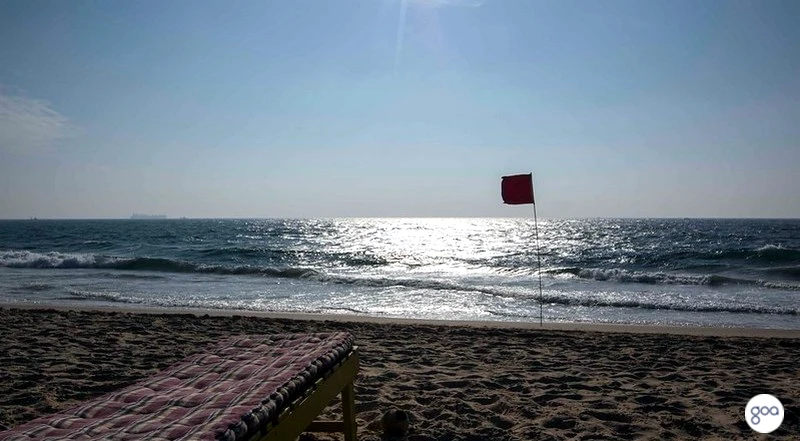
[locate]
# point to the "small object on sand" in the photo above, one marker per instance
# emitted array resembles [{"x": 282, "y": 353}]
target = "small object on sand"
[{"x": 395, "y": 423}]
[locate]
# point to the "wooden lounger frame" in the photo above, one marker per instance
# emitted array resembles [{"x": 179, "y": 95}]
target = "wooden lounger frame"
[{"x": 299, "y": 416}]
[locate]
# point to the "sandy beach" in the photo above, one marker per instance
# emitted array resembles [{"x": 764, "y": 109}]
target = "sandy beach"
[{"x": 458, "y": 382}]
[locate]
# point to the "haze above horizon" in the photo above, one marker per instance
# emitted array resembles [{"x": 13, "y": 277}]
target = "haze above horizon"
[{"x": 399, "y": 108}]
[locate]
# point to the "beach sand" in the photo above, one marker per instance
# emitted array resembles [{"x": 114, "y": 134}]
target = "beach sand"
[{"x": 457, "y": 382}]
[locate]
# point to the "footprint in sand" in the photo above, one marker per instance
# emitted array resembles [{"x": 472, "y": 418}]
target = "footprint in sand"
[
  {"x": 560, "y": 422},
  {"x": 649, "y": 399}
]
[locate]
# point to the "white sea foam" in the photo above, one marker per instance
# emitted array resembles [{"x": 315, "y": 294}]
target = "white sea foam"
[{"x": 52, "y": 259}]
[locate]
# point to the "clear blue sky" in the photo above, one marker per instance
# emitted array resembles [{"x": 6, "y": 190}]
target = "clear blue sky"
[{"x": 399, "y": 107}]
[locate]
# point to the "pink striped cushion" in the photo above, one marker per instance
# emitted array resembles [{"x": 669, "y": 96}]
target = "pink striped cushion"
[{"x": 227, "y": 393}]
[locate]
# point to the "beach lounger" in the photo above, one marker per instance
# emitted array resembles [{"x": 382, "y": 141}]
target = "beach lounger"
[{"x": 244, "y": 388}]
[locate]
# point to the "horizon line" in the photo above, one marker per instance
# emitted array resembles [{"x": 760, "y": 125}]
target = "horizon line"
[{"x": 35, "y": 219}]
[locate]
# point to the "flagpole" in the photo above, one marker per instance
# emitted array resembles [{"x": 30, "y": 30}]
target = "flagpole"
[{"x": 538, "y": 262}]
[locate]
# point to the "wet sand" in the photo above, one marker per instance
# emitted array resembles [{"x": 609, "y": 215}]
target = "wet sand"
[{"x": 458, "y": 381}]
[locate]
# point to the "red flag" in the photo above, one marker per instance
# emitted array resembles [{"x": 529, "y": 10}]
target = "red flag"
[{"x": 517, "y": 189}]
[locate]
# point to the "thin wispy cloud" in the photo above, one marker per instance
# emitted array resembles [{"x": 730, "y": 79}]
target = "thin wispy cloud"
[
  {"x": 422, "y": 4},
  {"x": 28, "y": 124}
]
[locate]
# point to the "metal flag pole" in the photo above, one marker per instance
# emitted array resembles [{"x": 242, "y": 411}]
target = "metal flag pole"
[{"x": 538, "y": 259}]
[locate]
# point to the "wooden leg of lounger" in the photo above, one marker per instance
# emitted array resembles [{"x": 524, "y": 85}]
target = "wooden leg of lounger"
[{"x": 349, "y": 411}]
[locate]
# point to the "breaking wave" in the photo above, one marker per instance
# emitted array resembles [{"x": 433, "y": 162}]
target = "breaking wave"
[
  {"x": 661, "y": 278},
  {"x": 105, "y": 297},
  {"x": 56, "y": 260},
  {"x": 144, "y": 267},
  {"x": 550, "y": 299}
]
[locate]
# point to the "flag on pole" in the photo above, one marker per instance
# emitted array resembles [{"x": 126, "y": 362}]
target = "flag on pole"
[{"x": 517, "y": 189}]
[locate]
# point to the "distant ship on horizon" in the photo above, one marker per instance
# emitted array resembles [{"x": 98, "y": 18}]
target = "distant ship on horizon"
[{"x": 148, "y": 216}]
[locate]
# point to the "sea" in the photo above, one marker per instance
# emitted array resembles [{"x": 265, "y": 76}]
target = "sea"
[{"x": 678, "y": 272}]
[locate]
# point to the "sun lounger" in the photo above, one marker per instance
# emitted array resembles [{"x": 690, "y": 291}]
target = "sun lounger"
[{"x": 244, "y": 388}]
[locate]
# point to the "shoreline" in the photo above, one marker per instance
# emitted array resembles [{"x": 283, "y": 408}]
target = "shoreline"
[{"x": 708, "y": 331}]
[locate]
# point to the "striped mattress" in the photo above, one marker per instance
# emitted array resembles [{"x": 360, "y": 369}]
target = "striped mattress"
[{"x": 229, "y": 392}]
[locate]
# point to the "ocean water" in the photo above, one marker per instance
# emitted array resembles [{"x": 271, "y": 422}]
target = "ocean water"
[{"x": 709, "y": 272}]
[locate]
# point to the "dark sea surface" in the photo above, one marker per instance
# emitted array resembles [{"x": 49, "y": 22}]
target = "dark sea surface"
[{"x": 711, "y": 272}]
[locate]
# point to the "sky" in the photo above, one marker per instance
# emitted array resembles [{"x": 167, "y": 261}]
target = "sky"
[{"x": 350, "y": 108}]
